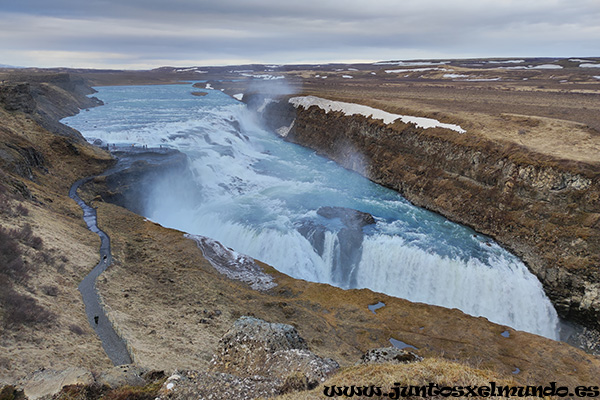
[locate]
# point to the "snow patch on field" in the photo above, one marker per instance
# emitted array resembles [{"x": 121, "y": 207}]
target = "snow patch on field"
[
  {"x": 589, "y": 65},
  {"x": 398, "y": 71},
  {"x": 482, "y": 79},
  {"x": 506, "y": 61},
  {"x": 411, "y": 63},
  {"x": 195, "y": 69},
  {"x": 455, "y": 76},
  {"x": 359, "y": 109},
  {"x": 547, "y": 66},
  {"x": 543, "y": 66},
  {"x": 266, "y": 77}
]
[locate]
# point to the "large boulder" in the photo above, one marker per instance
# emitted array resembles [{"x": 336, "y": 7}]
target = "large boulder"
[
  {"x": 253, "y": 347},
  {"x": 353, "y": 219}
]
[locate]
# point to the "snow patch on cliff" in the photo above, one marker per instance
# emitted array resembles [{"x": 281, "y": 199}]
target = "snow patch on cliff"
[{"x": 359, "y": 109}]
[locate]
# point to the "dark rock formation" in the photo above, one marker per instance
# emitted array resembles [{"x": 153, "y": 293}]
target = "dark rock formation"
[
  {"x": 17, "y": 97},
  {"x": 21, "y": 159},
  {"x": 48, "y": 98},
  {"x": 127, "y": 183},
  {"x": 349, "y": 217},
  {"x": 349, "y": 238}
]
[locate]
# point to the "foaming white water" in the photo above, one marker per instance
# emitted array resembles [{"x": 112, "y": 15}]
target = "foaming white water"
[
  {"x": 259, "y": 195},
  {"x": 390, "y": 266}
]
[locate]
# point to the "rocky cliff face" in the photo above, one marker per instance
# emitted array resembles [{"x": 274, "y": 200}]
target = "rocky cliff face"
[
  {"x": 47, "y": 98},
  {"x": 545, "y": 210},
  {"x": 30, "y": 108}
]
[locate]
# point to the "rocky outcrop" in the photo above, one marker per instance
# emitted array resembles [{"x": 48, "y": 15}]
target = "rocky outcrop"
[
  {"x": 273, "y": 350},
  {"x": 17, "y": 97},
  {"x": 232, "y": 264},
  {"x": 127, "y": 183},
  {"x": 47, "y": 98},
  {"x": 545, "y": 210},
  {"x": 255, "y": 359},
  {"x": 21, "y": 159},
  {"x": 350, "y": 238},
  {"x": 349, "y": 217}
]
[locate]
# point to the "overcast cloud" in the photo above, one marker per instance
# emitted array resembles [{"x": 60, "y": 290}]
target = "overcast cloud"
[{"x": 140, "y": 34}]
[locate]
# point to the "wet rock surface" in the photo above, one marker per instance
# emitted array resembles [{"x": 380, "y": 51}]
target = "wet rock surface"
[
  {"x": 126, "y": 184},
  {"x": 350, "y": 218},
  {"x": 232, "y": 264},
  {"x": 349, "y": 240}
]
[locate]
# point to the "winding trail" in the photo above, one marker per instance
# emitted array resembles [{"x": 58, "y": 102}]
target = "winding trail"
[{"x": 113, "y": 344}]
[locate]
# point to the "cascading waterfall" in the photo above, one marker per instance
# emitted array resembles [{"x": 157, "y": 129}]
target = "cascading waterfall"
[{"x": 284, "y": 205}]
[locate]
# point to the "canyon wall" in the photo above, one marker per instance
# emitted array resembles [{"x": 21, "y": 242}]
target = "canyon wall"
[{"x": 545, "y": 210}]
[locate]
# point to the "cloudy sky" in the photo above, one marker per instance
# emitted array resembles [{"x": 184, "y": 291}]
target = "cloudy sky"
[{"x": 141, "y": 34}]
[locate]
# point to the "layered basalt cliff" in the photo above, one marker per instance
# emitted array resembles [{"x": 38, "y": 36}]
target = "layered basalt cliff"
[
  {"x": 545, "y": 210},
  {"x": 46, "y": 98}
]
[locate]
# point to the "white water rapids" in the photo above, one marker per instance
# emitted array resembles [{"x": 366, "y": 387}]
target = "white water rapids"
[{"x": 259, "y": 195}]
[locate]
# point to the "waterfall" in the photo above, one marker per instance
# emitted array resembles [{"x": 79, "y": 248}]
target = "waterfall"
[{"x": 306, "y": 216}]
